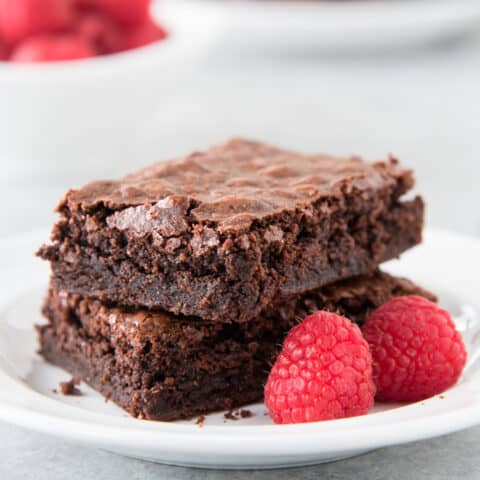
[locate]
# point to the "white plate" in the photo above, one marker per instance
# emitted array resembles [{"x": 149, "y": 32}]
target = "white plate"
[
  {"x": 338, "y": 25},
  {"x": 447, "y": 263}
]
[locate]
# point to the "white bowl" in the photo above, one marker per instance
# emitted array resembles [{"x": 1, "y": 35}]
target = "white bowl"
[
  {"x": 334, "y": 27},
  {"x": 71, "y": 118}
]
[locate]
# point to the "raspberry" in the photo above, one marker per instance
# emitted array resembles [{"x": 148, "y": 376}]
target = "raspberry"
[
  {"x": 143, "y": 35},
  {"x": 20, "y": 19},
  {"x": 416, "y": 349},
  {"x": 127, "y": 12},
  {"x": 100, "y": 31},
  {"x": 51, "y": 48},
  {"x": 323, "y": 372}
]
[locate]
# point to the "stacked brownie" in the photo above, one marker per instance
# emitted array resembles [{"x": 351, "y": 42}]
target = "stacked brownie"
[{"x": 173, "y": 287}]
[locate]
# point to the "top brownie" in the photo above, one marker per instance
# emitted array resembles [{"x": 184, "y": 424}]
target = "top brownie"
[{"x": 220, "y": 234}]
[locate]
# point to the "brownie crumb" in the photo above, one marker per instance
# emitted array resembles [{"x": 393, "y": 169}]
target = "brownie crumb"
[
  {"x": 70, "y": 387},
  {"x": 238, "y": 414},
  {"x": 230, "y": 415},
  {"x": 200, "y": 421},
  {"x": 54, "y": 390}
]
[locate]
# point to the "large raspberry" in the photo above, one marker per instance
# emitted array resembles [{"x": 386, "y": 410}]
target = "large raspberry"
[
  {"x": 416, "y": 349},
  {"x": 52, "y": 48},
  {"x": 323, "y": 372},
  {"x": 20, "y": 19}
]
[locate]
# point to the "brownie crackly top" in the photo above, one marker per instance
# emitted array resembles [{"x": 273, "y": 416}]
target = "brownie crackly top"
[{"x": 231, "y": 185}]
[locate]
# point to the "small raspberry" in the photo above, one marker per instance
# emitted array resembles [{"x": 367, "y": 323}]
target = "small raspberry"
[
  {"x": 323, "y": 372},
  {"x": 416, "y": 350},
  {"x": 127, "y": 12},
  {"x": 20, "y": 19},
  {"x": 51, "y": 48},
  {"x": 100, "y": 31},
  {"x": 143, "y": 35}
]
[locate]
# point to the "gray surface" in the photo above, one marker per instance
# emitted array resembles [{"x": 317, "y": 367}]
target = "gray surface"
[
  {"x": 32, "y": 456},
  {"x": 424, "y": 106}
]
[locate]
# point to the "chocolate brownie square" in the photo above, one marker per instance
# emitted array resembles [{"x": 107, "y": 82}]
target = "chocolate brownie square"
[
  {"x": 219, "y": 234},
  {"x": 161, "y": 367}
]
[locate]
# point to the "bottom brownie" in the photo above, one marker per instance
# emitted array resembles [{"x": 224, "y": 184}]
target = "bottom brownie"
[{"x": 162, "y": 367}]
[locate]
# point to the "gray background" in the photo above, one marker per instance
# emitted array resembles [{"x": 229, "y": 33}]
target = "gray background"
[{"x": 424, "y": 106}]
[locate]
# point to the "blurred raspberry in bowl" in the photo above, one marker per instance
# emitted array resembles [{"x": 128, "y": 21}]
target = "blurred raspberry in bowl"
[
  {"x": 84, "y": 80},
  {"x": 59, "y": 30}
]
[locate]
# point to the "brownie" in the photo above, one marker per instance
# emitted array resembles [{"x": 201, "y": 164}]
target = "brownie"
[
  {"x": 219, "y": 234},
  {"x": 70, "y": 387},
  {"x": 162, "y": 367}
]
